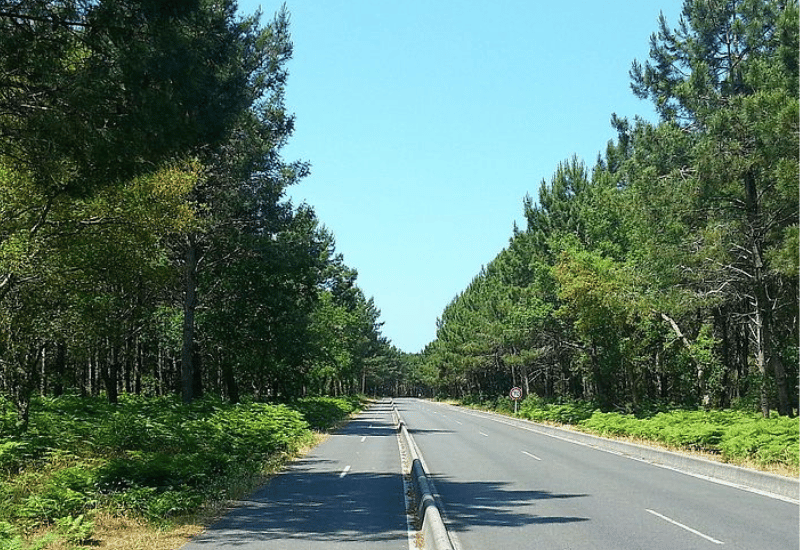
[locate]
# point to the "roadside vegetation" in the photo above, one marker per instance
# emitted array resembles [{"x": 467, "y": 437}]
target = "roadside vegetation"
[
  {"x": 738, "y": 437},
  {"x": 151, "y": 462},
  {"x": 666, "y": 271}
]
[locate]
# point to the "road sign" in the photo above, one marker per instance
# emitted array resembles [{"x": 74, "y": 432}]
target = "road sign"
[{"x": 515, "y": 393}]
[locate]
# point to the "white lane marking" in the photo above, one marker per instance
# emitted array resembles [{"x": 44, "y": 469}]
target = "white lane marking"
[
  {"x": 344, "y": 472},
  {"x": 363, "y": 439},
  {"x": 483, "y": 434},
  {"x": 682, "y": 526},
  {"x": 489, "y": 416},
  {"x": 530, "y": 455},
  {"x": 457, "y": 422}
]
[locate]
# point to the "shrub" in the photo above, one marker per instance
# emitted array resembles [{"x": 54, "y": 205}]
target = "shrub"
[
  {"x": 538, "y": 410},
  {"x": 9, "y": 537},
  {"x": 152, "y": 457},
  {"x": 322, "y": 413},
  {"x": 77, "y": 530},
  {"x": 13, "y": 455}
]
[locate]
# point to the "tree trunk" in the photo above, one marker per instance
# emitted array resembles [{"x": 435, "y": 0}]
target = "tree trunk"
[
  {"x": 762, "y": 316},
  {"x": 24, "y": 385},
  {"x": 59, "y": 369},
  {"x": 110, "y": 375},
  {"x": 231, "y": 386},
  {"x": 189, "y": 306},
  {"x": 197, "y": 375},
  {"x": 525, "y": 384},
  {"x": 781, "y": 381},
  {"x": 702, "y": 387}
]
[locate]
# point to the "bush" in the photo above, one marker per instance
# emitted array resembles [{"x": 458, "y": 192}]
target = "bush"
[
  {"x": 538, "y": 410},
  {"x": 323, "y": 413},
  {"x": 9, "y": 537},
  {"x": 77, "y": 530},
  {"x": 767, "y": 441},
  {"x": 152, "y": 457}
]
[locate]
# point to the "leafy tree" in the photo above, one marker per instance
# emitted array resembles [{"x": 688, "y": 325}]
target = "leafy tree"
[
  {"x": 671, "y": 268},
  {"x": 726, "y": 78}
]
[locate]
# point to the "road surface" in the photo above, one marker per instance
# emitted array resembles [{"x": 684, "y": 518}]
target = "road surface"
[
  {"x": 500, "y": 487},
  {"x": 347, "y": 493},
  {"x": 504, "y": 487}
]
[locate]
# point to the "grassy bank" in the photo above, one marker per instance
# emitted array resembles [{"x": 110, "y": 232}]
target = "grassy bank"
[
  {"x": 737, "y": 437},
  {"x": 86, "y": 471}
]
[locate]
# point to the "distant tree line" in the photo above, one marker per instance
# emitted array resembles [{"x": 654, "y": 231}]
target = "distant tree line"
[
  {"x": 668, "y": 272},
  {"x": 146, "y": 244}
]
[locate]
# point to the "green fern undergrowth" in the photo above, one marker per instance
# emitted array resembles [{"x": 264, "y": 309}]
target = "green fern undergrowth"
[
  {"x": 154, "y": 461},
  {"x": 741, "y": 438}
]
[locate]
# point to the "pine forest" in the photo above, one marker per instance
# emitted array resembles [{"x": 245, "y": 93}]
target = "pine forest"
[{"x": 171, "y": 323}]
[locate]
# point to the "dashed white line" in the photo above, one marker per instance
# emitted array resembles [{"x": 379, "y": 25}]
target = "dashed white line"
[
  {"x": 483, "y": 434},
  {"x": 718, "y": 481},
  {"x": 532, "y": 456},
  {"x": 682, "y": 526},
  {"x": 344, "y": 472},
  {"x": 363, "y": 439}
]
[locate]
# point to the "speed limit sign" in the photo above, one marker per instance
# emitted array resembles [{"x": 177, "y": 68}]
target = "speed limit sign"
[{"x": 515, "y": 393}]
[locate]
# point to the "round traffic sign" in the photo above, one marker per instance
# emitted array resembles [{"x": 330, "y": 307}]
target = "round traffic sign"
[{"x": 515, "y": 393}]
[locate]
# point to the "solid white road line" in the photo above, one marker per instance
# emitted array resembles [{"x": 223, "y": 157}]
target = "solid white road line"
[
  {"x": 344, "y": 472},
  {"x": 530, "y": 455},
  {"x": 682, "y": 526},
  {"x": 489, "y": 416}
]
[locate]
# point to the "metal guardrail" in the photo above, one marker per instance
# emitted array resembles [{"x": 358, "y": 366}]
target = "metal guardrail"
[{"x": 433, "y": 530}]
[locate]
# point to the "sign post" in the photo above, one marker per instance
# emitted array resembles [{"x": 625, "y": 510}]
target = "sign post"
[{"x": 515, "y": 394}]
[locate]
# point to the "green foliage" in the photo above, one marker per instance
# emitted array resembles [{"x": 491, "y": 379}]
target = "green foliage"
[
  {"x": 113, "y": 168},
  {"x": 72, "y": 531},
  {"x": 539, "y": 410},
  {"x": 12, "y": 456},
  {"x": 150, "y": 457},
  {"x": 767, "y": 441},
  {"x": 734, "y": 435},
  {"x": 9, "y": 538},
  {"x": 75, "y": 530},
  {"x": 323, "y": 413},
  {"x": 667, "y": 272}
]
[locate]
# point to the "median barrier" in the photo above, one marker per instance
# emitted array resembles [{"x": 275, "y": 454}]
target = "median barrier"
[{"x": 434, "y": 532}]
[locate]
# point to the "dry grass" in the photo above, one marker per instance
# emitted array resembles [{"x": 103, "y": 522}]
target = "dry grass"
[{"x": 120, "y": 533}]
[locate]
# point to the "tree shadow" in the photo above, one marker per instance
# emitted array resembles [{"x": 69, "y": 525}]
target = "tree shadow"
[
  {"x": 316, "y": 502},
  {"x": 308, "y": 505},
  {"x": 312, "y": 502},
  {"x": 487, "y": 503}
]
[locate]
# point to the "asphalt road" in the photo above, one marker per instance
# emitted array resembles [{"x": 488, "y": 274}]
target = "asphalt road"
[
  {"x": 347, "y": 493},
  {"x": 502, "y": 487}
]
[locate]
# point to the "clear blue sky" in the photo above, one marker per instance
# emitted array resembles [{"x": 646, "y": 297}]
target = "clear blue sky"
[{"x": 426, "y": 122}]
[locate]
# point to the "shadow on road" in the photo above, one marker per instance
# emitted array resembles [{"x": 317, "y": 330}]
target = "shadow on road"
[
  {"x": 484, "y": 503},
  {"x": 307, "y": 506},
  {"x": 303, "y": 504}
]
